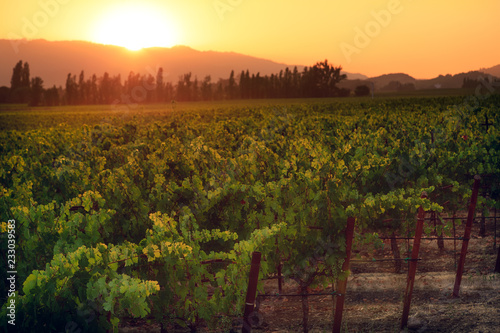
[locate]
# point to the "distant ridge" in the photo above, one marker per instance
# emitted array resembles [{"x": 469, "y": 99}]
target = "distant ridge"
[
  {"x": 383, "y": 80},
  {"x": 386, "y": 82},
  {"x": 52, "y": 61},
  {"x": 495, "y": 70}
]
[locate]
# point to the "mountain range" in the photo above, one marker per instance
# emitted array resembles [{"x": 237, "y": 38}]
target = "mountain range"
[
  {"x": 391, "y": 82},
  {"x": 53, "y": 61}
]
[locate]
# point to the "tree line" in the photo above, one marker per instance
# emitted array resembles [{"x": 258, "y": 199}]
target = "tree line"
[{"x": 319, "y": 80}]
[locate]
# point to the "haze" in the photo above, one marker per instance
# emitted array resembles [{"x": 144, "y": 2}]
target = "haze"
[{"x": 422, "y": 38}]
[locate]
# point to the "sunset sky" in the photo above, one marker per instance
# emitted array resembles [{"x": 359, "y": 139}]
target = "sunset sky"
[{"x": 423, "y": 38}]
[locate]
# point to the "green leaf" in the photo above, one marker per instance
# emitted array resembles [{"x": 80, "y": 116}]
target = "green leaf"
[
  {"x": 30, "y": 282},
  {"x": 107, "y": 306}
]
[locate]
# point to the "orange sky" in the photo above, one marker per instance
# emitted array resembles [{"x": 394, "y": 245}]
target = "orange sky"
[{"x": 420, "y": 37}]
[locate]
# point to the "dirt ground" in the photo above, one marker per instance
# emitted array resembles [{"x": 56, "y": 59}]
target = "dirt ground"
[{"x": 374, "y": 298}]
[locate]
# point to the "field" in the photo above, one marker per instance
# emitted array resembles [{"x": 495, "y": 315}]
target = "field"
[{"x": 144, "y": 217}]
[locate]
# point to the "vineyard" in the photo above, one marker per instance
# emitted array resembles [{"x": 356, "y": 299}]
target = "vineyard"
[{"x": 153, "y": 214}]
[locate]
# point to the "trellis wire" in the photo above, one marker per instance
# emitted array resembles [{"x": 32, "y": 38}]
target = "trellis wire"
[{"x": 333, "y": 293}]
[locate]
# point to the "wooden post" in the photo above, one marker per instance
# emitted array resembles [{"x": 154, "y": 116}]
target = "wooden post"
[
  {"x": 342, "y": 284},
  {"x": 280, "y": 280},
  {"x": 497, "y": 266},
  {"x": 454, "y": 240},
  {"x": 482, "y": 225},
  {"x": 413, "y": 264},
  {"x": 251, "y": 292},
  {"x": 465, "y": 242},
  {"x": 278, "y": 267},
  {"x": 495, "y": 228},
  {"x": 396, "y": 254},
  {"x": 440, "y": 241}
]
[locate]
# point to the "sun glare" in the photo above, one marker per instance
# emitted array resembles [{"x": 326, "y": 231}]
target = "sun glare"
[{"x": 136, "y": 28}]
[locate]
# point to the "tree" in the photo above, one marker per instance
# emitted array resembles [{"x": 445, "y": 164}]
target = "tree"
[
  {"x": 71, "y": 90},
  {"x": 82, "y": 89},
  {"x": 184, "y": 88},
  {"x": 195, "y": 91},
  {"x": 51, "y": 96},
  {"x": 296, "y": 82},
  {"x": 231, "y": 88},
  {"x": 245, "y": 84},
  {"x": 305, "y": 86},
  {"x": 93, "y": 92},
  {"x": 148, "y": 86},
  {"x": 36, "y": 91},
  {"x": 20, "y": 83},
  {"x": 160, "y": 86},
  {"x": 344, "y": 92},
  {"x": 206, "y": 88},
  {"x": 219, "y": 93},
  {"x": 363, "y": 90},
  {"x": 116, "y": 87},
  {"x": 105, "y": 89},
  {"x": 398, "y": 86},
  {"x": 25, "y": 79},
  {"x": 280, "y": 85},
  {"x": 392, "y": 86},
  {"x": 169, "y": 92},
  {"x": 325, "y": 79},
  {"x": 407, "y": 87},
  {"x": 4, "y": 94},
  {"x": 287, "y": 84},
  {"x": 15, "y": 81},
  {"x": 274, "y": 86}
]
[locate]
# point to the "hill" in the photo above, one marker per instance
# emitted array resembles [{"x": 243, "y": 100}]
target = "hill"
[
  {"x": 401, "y": 81},
  {"x": 449, "y": 81},
  {"x": 52, "y": 61},
  {"x": 379, "y": 82},
  {"x": 384, "y": 80},
  {"x": 495, "y": 70}
]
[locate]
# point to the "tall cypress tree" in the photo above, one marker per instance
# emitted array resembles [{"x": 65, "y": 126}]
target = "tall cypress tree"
[
  {"x": 25, "y": 79},
  {"x": 20, "y": 83},
  {"x": 36, "y": 91},
  {"x": 15, "y": 81}
]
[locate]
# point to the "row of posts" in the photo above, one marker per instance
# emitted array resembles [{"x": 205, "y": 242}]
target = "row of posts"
[{"x": 342, "y": 284}]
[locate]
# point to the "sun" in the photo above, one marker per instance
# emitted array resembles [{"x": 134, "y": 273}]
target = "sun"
[{"x": 136, "y": 27}]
